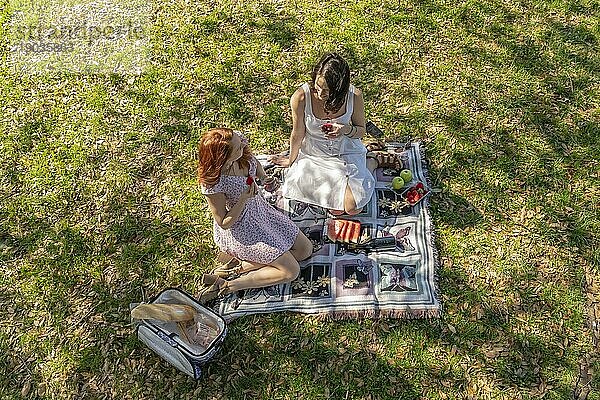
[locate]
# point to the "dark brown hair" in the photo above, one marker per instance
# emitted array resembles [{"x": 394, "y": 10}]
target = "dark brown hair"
[{"x": 336, "y": 72}]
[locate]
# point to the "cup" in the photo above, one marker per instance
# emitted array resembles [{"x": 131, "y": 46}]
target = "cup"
[{"x": 271, "y": 184}]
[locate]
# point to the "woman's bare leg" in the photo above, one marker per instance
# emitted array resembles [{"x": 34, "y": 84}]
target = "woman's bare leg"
[
  {"x": 372, "y": 165},
  {"x": 301, "y": 250},
  {"x": 248, "y": 266},
  {"x": 302, "y": 247},
  {"x": 284, "y": 269},
  {"x": 350, "y": 203}
]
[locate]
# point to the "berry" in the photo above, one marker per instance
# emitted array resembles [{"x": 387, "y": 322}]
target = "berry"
[
  {"x": 327, "y": 127},
  {"x": 249, "y": 180}
]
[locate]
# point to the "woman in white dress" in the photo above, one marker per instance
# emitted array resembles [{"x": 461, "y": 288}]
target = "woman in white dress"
[{"x": 327, "y": 160}]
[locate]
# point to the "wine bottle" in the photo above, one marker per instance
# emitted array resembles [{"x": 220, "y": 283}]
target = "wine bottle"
[{"x": 374, "y": 244}]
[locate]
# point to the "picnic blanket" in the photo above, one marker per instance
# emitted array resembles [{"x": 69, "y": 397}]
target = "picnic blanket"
[{"x": 342, "y": 280}]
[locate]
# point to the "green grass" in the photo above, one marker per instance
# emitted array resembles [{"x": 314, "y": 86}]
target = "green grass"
[{"x": 99, "y": 204}]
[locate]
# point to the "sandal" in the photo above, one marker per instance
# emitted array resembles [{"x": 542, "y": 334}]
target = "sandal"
[
  {"x": 386, "y": 160},
  {"x": 230, "y": 270},
  {"x": 374, "y": 145},
  {"x": 213, "y": 287}
]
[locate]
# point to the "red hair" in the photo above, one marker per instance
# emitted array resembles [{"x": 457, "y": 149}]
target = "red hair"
[{"x": 213, "y": 150}]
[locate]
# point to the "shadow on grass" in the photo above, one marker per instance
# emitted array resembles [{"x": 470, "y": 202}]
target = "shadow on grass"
[
  {"x": 136, "y": 249},
  {"x": 280, "y": 27},
  {"x": 492, "y": 330},
  {"x": 454, "y": 210},
  {"x": 313, "y": 360}
]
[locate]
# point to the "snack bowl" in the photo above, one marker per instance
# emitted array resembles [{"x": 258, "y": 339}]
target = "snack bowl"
[{"x": 415, "y": 193}]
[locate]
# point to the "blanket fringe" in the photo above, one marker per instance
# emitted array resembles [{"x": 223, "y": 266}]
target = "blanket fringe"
[
  {"x": 432, "y": 236},
  {"x": 379, "y": 314}
]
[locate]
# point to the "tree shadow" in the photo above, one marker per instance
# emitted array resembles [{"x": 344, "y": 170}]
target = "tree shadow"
[
  {"x": 492, "y": 330},
  {"x": 137, "y": 248},
  {"x": 453, "y": 210},
  {"x": 326, "y": 367},
  {"x": 280, "y": 27}
]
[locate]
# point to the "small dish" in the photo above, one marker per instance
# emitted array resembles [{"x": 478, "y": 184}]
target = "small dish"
[{"x": 415, "y": 193}]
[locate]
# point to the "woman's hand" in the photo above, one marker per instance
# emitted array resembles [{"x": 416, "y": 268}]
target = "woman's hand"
[
  {"x": 249, "y": 193},
  {"x": 337, "y": 130},
  {"x": 282, "y": 161}
]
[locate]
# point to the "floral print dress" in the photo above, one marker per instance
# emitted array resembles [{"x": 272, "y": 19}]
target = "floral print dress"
[{"x": 262, "y": 233}]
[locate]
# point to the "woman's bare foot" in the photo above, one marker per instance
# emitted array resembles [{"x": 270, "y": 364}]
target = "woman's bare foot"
[{"x": 354, "y": 212}]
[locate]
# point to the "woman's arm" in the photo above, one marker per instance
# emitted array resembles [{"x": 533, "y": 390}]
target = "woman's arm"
[
  {"x": 298, "y": 129},
  {"x": 357, "y": 126},
  {"x": 260, "y": 171},
  {"x": 225, "y": 219},
  {"x": 358, "y": 117}
]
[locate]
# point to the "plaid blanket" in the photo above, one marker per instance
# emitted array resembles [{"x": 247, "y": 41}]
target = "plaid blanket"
[{"x": 392, "y": 276}]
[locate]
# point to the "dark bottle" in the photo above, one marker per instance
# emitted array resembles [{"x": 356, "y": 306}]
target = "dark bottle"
[{"x": 375, "y": 244}]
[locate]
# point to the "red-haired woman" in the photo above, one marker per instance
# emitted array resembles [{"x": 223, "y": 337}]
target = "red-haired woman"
[{"x": 266, "y": 244}]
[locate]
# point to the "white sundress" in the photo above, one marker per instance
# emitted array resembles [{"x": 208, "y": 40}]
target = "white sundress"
[{"x": 324, "y": 167}]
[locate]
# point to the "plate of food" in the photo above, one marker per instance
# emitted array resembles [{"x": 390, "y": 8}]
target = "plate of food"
[
  {"x": 415, "y": 193},
  {"x": 341, "y": 230}
]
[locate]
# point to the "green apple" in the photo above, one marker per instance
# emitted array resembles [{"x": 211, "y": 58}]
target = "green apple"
[
  {"x": 406, "y": 175},
  {"x": 397, "y": 183}
]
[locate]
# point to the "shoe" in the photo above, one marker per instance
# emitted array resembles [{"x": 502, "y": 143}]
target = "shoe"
[
  {"x": 374, "y": 145},
  {"x": 213, "y": 287},
  {"x": 208, "y": 279},
  {"x": 230, "y": 270}
]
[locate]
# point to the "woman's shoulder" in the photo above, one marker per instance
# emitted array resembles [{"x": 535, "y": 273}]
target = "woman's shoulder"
[
  {"x": 358, "y": 96},
  {"x": 298, "y": 98},
  {"x": 214, "y": 188},
  {"x": 300, "y": 92}
]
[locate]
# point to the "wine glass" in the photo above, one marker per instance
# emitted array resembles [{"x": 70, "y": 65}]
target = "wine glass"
[{"x": 326, "y": 128}]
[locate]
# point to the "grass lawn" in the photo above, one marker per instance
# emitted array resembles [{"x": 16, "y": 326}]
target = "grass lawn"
[{"x": 99, "y": 204}]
